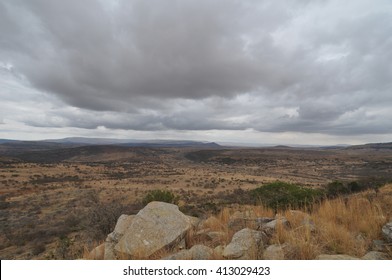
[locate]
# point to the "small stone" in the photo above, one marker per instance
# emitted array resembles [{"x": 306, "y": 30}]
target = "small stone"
[
  {"x": 245, "y": 244},
  {"x": 374, "y": 255},
  {"x": 218, "y": 251},
  {"x": 387, "y": 232},
  {"x": 261, "y": 221},
  {"x": 378, "y": 245},
  {"x": 270, "y": 228}
]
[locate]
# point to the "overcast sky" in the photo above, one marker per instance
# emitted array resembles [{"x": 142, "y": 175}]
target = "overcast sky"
[{"x": 280, "y": 72}]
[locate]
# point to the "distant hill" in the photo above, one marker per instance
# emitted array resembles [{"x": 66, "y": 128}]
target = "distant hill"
[
  {"x": 173, "y": 144},
  {"x": 91, "y": 153},
  {"x": 12, "y": 147},
  {"x": 7, "y": 141},
  {"x": 89, "y": 149},
  {"x": 282, "y": 147},
  {"x": 372, "y": 146},
  {"x": 87, "y": 141},
  {"x": 133, "y": 143}
]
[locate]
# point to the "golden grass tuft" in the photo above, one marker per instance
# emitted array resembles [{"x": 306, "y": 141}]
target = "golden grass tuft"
[{"x": 349, "y": 225}]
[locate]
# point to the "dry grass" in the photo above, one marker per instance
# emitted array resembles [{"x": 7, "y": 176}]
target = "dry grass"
[
  {"x": 349, "y": 226},
  {"x": 341, "y": 226}
]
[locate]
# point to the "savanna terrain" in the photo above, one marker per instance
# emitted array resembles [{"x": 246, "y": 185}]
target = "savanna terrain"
[{"x": 57, "y": 201}]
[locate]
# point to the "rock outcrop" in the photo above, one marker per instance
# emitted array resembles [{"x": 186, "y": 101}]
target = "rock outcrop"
[{"x": 160, "y": 230}]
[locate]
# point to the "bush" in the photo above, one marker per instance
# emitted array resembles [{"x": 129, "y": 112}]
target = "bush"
[
  {"x": 62, "y": 247},
  {"x": 355, "y": 187},
  {"x": 102, "y": 218},
  {"x": 160, "y": 195},
  {"x": 336, "y": 188},
  {"x": 3, "y": 203},
  {"x": 280, "y": 195}
]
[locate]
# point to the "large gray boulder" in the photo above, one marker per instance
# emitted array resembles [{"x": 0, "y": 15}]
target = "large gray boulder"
[
  {"x": 387, "y": 232},
  {"x": 157, "y": 226},
  {"x": 245, "y": 244}
]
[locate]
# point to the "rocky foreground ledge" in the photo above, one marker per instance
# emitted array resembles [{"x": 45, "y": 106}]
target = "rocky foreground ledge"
[{"x": 162, "y": 231}]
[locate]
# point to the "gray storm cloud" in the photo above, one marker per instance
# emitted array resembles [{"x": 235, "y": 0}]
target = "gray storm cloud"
[{"x": 303, "y": 66}]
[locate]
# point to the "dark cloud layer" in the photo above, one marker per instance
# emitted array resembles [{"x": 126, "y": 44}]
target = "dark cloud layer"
[{"x": 275, "y": 66}]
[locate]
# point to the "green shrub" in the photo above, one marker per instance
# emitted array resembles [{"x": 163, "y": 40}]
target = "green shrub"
[
  {"x": 337, "y": 188},
  {"x": 280, "y": 195},
  {"x": 160, "y": 195}
]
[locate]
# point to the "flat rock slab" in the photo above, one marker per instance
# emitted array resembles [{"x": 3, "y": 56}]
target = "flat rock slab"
[{"x": 157, "y": 226}]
